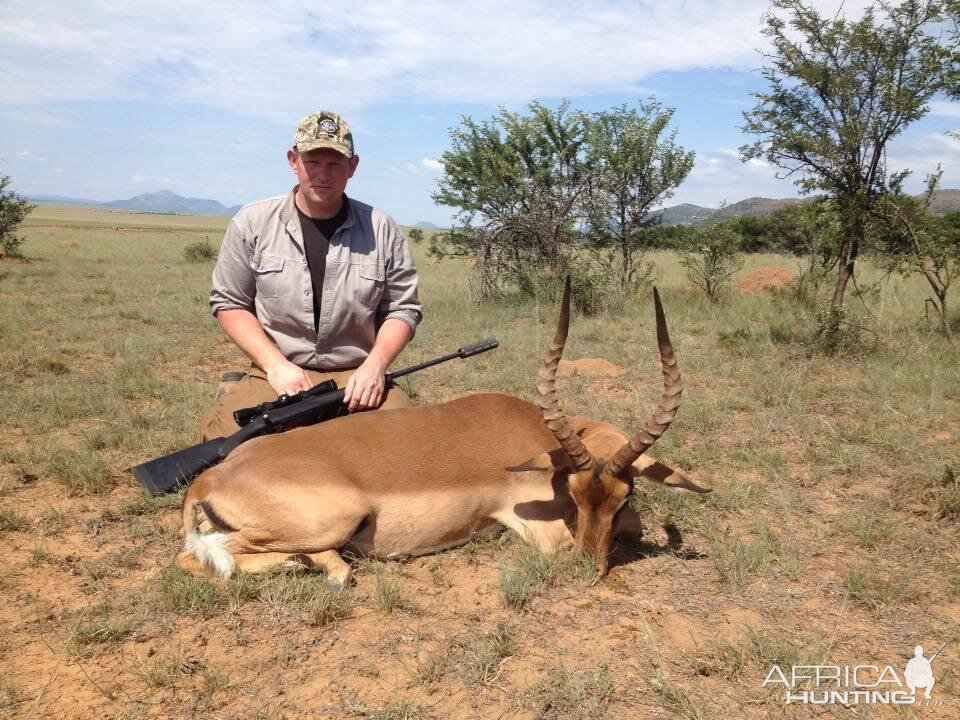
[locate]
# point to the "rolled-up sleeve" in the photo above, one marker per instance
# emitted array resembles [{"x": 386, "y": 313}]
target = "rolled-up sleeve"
[
  {"x": 400, "y": 297},
  {"x": 234, "y": 283}
]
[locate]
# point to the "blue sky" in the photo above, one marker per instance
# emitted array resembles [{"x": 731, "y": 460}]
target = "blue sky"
[{"x": 106, "y": 100}]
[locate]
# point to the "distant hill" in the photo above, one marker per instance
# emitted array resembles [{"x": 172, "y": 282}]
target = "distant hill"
[
  {"x": 753, "y": 207},
  {"x": 59, "y": 200},
  {"x": 944, "y": 201},
  {"x": 165, "y": 201},
  {"x": 169, "y": 202},
  {"x": 684, "y": 214}
]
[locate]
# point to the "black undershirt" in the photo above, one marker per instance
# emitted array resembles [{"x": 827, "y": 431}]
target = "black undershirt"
[{"x": 316, "y": 241}]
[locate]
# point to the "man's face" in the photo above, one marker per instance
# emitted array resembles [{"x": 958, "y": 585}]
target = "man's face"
[{"x": 322, "y": 176}]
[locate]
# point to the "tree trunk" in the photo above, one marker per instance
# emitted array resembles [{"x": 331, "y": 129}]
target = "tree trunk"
[
  {"x": 942, "y": 311},
  {"x": 849, "y": 248},
  {"x": 624, "y": 263}
]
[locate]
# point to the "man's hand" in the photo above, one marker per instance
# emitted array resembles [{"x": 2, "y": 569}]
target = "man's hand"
[
  {"x": 364, "y": 389},
  {"x": 286, "y": 378}
]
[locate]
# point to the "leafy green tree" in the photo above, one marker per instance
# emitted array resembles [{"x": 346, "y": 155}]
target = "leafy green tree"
[
  {"x": 635, "y": 164},
  {"x": 516, "y": 182},
  {"x": 839, "y": 91},
  {"x": 711, "y": 256},
  {"x": 13, "y": 210},
  {"x": 914, "y": 240},
  {"x": 416, "y": 235},
  {"x": 755, "y": 233},
  {"x": 808, "y": 230}
]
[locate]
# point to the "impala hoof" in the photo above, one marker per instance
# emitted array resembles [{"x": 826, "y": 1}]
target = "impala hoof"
[{"x": 337, "y": 582}]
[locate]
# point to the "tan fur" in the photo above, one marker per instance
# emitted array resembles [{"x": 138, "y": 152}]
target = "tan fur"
[{"x": 396, "y": 483}]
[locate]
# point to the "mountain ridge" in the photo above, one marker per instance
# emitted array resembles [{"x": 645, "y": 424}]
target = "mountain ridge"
[{"x": 168, "y": 202}]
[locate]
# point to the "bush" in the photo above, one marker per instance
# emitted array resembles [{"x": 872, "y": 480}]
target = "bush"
[
  {"x": 199, "y": 251},
  {"x": 593, "y": 289},
  {"x": 13, "y": 210},
  {"x": 711, "y": 257},
  {"x": 416, "y": 235},
  {"x": 834, "y": 333}
]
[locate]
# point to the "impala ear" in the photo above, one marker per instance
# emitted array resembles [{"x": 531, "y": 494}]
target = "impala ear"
[
  {"x": 553, "y": 461},
  {"x": 658, "y": 472}
]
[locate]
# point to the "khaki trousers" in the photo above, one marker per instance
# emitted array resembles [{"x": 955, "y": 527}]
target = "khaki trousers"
[{"x": 254, "y": 389}]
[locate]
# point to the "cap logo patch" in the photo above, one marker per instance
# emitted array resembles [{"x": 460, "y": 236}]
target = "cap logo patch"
[{"x": 328, "y": 126}]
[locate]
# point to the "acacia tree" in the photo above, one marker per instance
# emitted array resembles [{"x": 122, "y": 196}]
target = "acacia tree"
[
  {"x": 840, "y": 90},
  {"x": 711, "y": 256},
  {"x": 517, "y": 182},
  {"x": 13, "y": 210},
  {"x": 634, "y": 165},
  {"x": 914, "y": 240}
]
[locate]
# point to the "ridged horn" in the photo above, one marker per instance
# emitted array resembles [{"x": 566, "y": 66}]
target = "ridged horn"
[
  {"x": 546, "y": 386},
  {"x": 663, "y": 416}
]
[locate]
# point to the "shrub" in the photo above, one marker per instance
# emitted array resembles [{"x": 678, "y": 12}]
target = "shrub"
[
  {"x": 13, "y": 210},
  {"x": 199, "y": 251},
  {"x": 711, "y": 257}
]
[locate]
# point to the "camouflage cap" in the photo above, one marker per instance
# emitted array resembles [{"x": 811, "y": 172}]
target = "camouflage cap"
[{"x": 324, "y": 130}]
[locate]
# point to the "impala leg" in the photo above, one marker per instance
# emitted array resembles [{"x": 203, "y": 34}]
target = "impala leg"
[
  {"x": 549, "y": 535},
  {"x": 328, "y": 561}
]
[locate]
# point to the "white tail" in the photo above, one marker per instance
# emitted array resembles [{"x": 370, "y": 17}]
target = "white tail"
[{"x": 211, "y": 552}]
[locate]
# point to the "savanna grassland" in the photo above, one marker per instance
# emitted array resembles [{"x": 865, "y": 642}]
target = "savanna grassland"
[{"x": 831, "y": 536}]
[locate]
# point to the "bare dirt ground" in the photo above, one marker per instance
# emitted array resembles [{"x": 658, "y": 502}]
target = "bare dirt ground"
[{"x": 770, "y": 278}]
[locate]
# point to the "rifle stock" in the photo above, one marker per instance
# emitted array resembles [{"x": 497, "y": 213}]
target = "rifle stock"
[{"x": 165, "y": 474}]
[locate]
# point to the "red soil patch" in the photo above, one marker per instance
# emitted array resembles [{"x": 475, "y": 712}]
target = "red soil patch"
[{"x": 771, "y": 278}]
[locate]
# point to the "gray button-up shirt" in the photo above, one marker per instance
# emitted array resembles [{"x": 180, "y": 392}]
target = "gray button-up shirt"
[{"x": 370, "y": 276}]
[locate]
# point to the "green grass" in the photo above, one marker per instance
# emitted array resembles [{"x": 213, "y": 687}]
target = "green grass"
[
  {"x": 10, "y": 695},
  {"x": 12, "y": 521},
  {"x": 101, "y": 628},
  {"x": 571, "y": 693},
  {"x": 677, "y": 701},
  {"x": 881, "y": 590},
  {"x": 481, "y": 656},
  {"x": 531, "y": 573},
  {"x": 304, "y": 595}
]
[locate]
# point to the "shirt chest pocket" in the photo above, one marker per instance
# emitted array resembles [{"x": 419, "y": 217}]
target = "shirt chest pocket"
[
  {"x": 269, "y": 271},
  {"x": 368, "y": 282}
]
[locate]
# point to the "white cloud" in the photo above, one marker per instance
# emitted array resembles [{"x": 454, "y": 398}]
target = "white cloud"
[
  {"x": 262, "y": 59},
  {"x": 922, "y": 155},
  {"x": 138, "y": 179},
  {"x": 719, "y": 176},
  {"x": 945, "y": 109},
  {"x": 432, "y": 164}
]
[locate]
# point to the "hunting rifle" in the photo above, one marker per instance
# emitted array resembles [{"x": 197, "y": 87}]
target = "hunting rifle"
[{"x": 321, "y": 402}]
